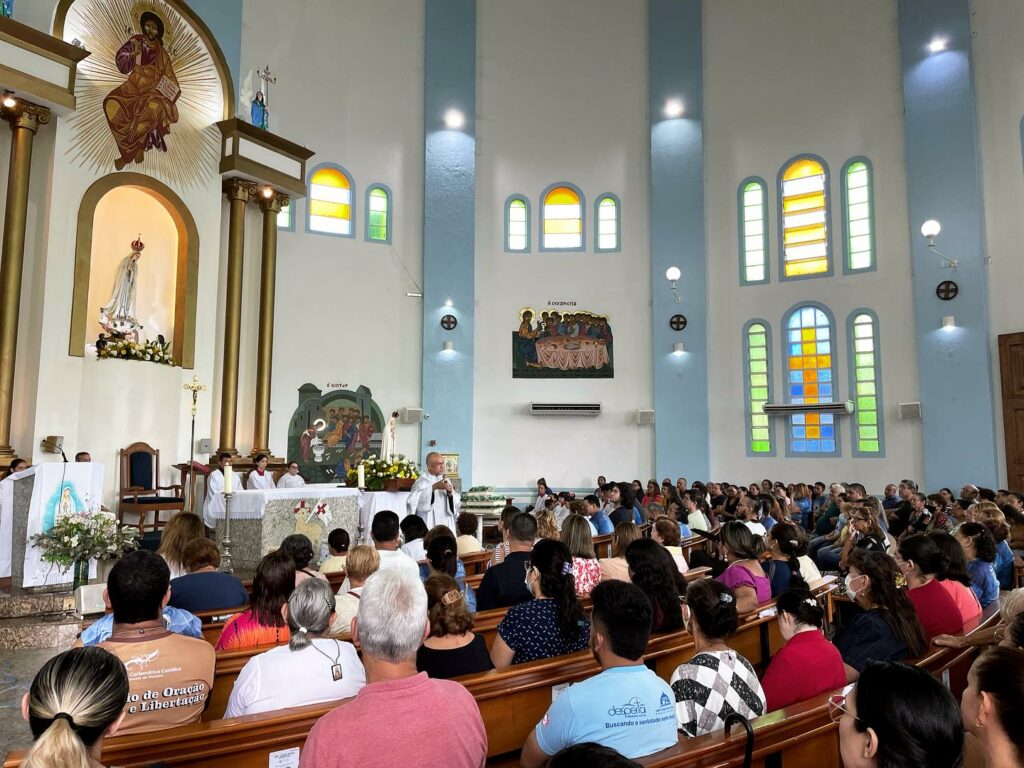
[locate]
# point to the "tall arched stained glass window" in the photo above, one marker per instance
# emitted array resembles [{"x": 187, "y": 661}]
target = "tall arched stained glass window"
[
  {"x": 803, "y": 192},
  {"x": 608, "y": 223},
  {"x": 562, "y": 219},
  {"x": 758, "y": 369},
  {"x": 810, "y": 377},
  {"x": 865, "y": 383},
  {"x": 517, "y": 224},
  {"x": 858, "y": 216},
  {"x": 378, "y": 214},
  {"x": 753, "y": 204},
  {"x": 331, "y": 202}
]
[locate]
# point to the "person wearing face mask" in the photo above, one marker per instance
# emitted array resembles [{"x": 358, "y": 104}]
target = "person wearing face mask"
[
  {"x": 592, "y": 711},
  {"x": 992, "y": 704},
  {"x": 897, "y": 716},
  {"x": 808, "y": 664},
  {"x": 887, "y": 629},
  {"x": 921, "y": 561}
]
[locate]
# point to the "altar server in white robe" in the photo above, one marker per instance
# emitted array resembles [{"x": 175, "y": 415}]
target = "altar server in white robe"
[
  {"x": 433, "y": 497},
  {"x": 213, "y": 507},
  {"x": 259, "y": 478},
  {"x": 291, "y": 478}
]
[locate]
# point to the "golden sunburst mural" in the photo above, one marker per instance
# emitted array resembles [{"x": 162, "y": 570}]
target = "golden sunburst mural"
[{"x": 149, "y": 94}]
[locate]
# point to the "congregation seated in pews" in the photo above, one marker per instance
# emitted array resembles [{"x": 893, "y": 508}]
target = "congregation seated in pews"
[{"x": 753, "y": 640}]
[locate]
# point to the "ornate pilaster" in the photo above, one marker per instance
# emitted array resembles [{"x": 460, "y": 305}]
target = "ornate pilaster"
[
  {"x": 270, "y": 206},
  {"x": 24, "y": 119}
]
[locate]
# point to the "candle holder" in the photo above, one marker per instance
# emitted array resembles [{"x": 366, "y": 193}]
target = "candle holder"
[{"x": 225, "y": 544}]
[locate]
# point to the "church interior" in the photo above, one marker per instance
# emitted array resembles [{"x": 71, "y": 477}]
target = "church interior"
[{"x": 772, "y": 240}]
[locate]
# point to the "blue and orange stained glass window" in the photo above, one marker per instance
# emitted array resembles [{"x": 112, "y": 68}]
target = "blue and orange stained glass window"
[
  {"x": 867, "y": 438},
  {"x": 810, "y": 377},
  {"x": 804, "y": 196},
  {"x": 330, "y": 202},
  {"x": 562, "y": 220},
  {"x": 758, "y": 370}
]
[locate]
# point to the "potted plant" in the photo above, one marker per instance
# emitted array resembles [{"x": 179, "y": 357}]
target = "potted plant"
[{"x": 79, "y": 537}]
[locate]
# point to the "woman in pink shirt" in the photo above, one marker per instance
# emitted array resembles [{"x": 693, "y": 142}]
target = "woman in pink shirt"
[
  {"x": 808, "y": 664},
  {"x": 586, "y": 569},
  {"x": 921, "y": 561},
  {"x": 742, "y": 550},
  {"x": 955, "y": 579}
]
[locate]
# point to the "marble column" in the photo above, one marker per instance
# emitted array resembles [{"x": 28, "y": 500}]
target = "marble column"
[{"x": 270, "y": 206}]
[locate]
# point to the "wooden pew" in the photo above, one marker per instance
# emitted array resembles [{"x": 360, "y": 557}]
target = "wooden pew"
[{"x": 476, "y": 562}]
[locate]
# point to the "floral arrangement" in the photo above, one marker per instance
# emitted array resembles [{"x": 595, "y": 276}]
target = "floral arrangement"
[
  {"x": 84, "y": 536},
  {"x": 158, "y": 351},
  {"x": 376, "y": 470},
  {"x": 482, "y": 493}
]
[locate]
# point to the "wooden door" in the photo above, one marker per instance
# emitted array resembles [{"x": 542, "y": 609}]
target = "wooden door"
[{"x": 1011, "y": 367}]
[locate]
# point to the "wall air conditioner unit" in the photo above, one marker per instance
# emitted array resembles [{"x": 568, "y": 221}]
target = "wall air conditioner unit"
[
  {"x": 411, "y": 415},
  {"x": 789, "y": 408},
  {"x": 565, "y": 409}
]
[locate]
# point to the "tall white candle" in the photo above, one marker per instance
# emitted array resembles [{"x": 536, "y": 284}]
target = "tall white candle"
[
  {"x": 229, "y": 477},
  {"x": 362, "y": 476}
]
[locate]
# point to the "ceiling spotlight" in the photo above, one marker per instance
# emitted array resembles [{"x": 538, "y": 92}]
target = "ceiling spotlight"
[
  {"x": 454, "y": 119},
  {"x": 9, "y": 101},
  {"x": 938, "y": 44},
  {"x": 674, "y": 108}
]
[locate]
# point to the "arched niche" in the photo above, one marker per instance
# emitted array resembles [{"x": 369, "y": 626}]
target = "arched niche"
[
  {"x": 193, "y": 19},
  {"x": 186, "y": 259}
]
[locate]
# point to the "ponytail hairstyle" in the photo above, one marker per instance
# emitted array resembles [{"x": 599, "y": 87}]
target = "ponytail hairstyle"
[
  {"x": 310, "y": 607},
  {"x": 925, "y": 554},
  {"x": 956, "y": 568},
  {"x": 654, "y": 570},
  {"x": 442, "y": 555},
  {"x": 892, "y": 603},
  {"x": 740, "y": 540},
  {"x": 712, "y": 608},
  {"x": 792, "y": 542},
  {"x": 73, "y": 700},
  {"x": 801, "y": 605},
  {"x": 553, "y": 562},
  {"x": 984, "y": 541}
]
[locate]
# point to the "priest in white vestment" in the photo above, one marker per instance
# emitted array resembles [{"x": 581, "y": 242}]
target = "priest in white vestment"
[
  {"x": 213, "y": 507},
  {"x": 291, "y": 478},
  {"x": 433, "y": 497},
  {"x": 259, "y": 478}
]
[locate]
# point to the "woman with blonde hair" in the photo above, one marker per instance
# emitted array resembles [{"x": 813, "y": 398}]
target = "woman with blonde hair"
[
  {"x": 362, "y": 562},
  {"x": 616, "y": 567},
  {"x": 586, "y": 569},
  {"x": 547, "y": 526},
  {"x": 451, "y": 649},
  {"x": 75, "y": 700},
  {"x": 181, "y": 529}
]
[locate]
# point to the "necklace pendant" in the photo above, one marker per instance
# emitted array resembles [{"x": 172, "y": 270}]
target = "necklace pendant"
[{"x": 336, "y": 671}]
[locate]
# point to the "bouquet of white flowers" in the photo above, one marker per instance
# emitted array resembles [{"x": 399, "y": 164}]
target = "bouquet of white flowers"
[
  {"x": 377, "y": 471},
  {"x": 84, "y": 536}
]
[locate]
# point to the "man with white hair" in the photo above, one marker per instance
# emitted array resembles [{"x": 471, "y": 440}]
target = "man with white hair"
[
  {"x": 433, "y": 497},
  {"x": 428, "y": 722}
]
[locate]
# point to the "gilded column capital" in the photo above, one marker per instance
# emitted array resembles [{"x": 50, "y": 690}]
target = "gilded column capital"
[
  {"x": 25, "y": 114},
  {"x": 274, "y": 203},
  {"x": 239, "y": 189}
]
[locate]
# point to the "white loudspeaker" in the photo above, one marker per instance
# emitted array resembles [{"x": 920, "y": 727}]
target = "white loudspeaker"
[
  {"x": 89, "y": 599},
  {"x": 412, "y": 415},
  {"x": 909, "y": 411},
  {"x": 644, "y": 416}
]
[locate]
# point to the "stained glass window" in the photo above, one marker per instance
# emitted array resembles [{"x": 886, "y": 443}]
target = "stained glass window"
[
  {"x": 330, "y": 202},
  {"x": 857, "y": 195},
  {"x": 284, "y": 217},
  {"x": 378, "y": 214},
  {"x": 810, "y": 377},
  {"x": 753, "y": 231},
  {"x": 607, "y": 223},
  {"x": 517, "y": 224},
  {"x": 804, "y": 195},
  {"x": 562, "y": 215},
  {"x": 866, "y": 385},
  {"x": 759, "y": 376}
]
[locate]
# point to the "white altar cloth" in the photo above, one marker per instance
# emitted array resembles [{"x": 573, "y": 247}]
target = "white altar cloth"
[
  {"x": 379, "y": 501},
  {"x": 250, "y": 505}
]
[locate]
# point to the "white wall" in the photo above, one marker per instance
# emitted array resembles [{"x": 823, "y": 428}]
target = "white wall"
[
  {"x": 822, "y": 77},
  {"x": 350, "y": 87},
  {"x": 561, "y": 96},
  {"x": 999, "y": 79}
]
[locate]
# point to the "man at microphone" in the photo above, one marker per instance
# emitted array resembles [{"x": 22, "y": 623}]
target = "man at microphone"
[{"x": 433, "y": 497}]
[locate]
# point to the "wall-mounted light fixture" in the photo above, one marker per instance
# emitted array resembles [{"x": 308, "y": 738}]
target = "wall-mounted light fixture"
[
  {"x": 414, "y": 294},
  {"x": 672, "y": 274},
  {"x": 938, "y": 44},
  {"x": 678, "y": 348},
  {"x": 267, "y": 192},
  {"x": 930, "y": 230},
  {"x": 454, "y": 119},
  {"x": 448, "y": 301},
  {"x": 448, "y": 346},
  {"x": 949, "y": 322},
  {"x": 674, "y": 108},
  {"x": 9, "y": 101}
]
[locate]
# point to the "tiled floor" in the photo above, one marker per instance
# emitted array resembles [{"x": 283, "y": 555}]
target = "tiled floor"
[{"x": 17, "y": 668}]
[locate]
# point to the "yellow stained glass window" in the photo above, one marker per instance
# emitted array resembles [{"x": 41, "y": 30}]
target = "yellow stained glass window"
[
  {"x": 562, "y": 219},
  {"x": 758, "y": 389},
  {"x": 754, "y": 232},
  {"x": 860, "y": 247},
  {"x": 330, "y": 202},
  {"x": 804, "y": 218}
]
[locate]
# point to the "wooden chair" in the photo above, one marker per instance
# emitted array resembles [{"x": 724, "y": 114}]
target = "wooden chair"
[{"x": 140, "y": 490}]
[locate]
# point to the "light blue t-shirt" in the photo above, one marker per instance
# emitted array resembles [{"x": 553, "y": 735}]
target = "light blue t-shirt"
[
  {"x": 175, "y": 619},
  {"x": 629, "y": 709},
  {"x": 602, "y": 522}
]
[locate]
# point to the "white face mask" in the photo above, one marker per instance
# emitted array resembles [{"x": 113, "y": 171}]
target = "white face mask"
[{"x": 850, "y": 591}]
